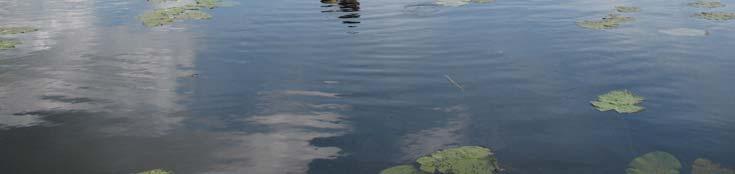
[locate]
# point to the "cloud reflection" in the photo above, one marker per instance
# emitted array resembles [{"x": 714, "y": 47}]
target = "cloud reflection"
[{"x": 283, "y": 147}]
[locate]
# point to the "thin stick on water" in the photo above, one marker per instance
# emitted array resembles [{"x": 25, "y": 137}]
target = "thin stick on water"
[{"x": 454, "y": 82}]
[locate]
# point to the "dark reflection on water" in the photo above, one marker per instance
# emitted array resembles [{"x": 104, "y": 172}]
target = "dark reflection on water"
[
  {"x": 350, "y": 9},
  {"x": 273, "y": 87}
]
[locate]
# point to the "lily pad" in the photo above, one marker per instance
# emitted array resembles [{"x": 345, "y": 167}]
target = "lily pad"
[
  {"x": 8, "y": 44},
  {"x": 719, "y": 16},
  {"x": 461, "y": 160},
  {"x": 684, "y": 32},
  {"x": 157, "y": 171},
  {"x": 16, "y": 30},
  {"x": 210, "y": 4},
  {"x": 195, "y": 15},
  {"x": 627, "y": 9},
  {"x": 609, "y": 22},
  {"x": 170, "y": 15},
  {"x": 402, "y": 169},
  {"x": 654, "y": 163},
  {"x": 622, "y": 101},
  {"x": 705, "y": 166},
  {"x": 706, "y": 4}
]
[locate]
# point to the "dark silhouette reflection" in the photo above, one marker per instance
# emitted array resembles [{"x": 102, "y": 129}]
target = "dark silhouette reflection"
[{"x": 350, "y": 7}]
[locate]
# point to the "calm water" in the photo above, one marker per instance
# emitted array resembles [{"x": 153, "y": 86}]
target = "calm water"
[{"x": 299, "y": 86}]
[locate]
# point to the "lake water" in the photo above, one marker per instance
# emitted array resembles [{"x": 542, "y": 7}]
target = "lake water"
[{"x": 301, "y": 86}]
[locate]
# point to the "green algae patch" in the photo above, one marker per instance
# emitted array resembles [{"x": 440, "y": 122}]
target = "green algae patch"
[
  {"x": 16, "y": 30},
  {"x": 609, "y": 22},
  {"x": 210, "y": 4},
  {"x": 402, "y": 169},
  {"x": 705, "y": 166},
  {"x": 8, "y": 44},
  {"x": 706, "y": 4},
  {"x": 464, "y": 160},
  {"x": 627, "y": 9},
  {"x": 167, "y": 16},
  {"x": 198, "y": 15},
  {"x": 717, "y": 16},
  {"x": 654, "y": 163},
  {"x": 622, "y": 101},
  {"x": 157, "y": 171}
]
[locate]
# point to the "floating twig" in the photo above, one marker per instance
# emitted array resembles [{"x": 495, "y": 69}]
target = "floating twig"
[{"x": 454, "y": 82}]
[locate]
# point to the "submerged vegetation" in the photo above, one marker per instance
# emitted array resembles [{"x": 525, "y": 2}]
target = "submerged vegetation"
[
  {"x": 720, "y": 16},
  {"x": 706, "y": 4},
  {"x": 16, "y": 30},
  {"x": 7, "y": 44},
  {"x": 609, "y": 22},
  {"x": 622, "y": 101},
  {"x": 705, "y": 166},
  {"x": 165, "y": 16},
  {"x": 654, "y": 163},
  {"x": 157, "y": 171},
  {"x": 460, "y": 160},
  {"x": 402, "y": 169},
  {"x": 627, "y": 9},
  {"x": 684, "y": 32}
]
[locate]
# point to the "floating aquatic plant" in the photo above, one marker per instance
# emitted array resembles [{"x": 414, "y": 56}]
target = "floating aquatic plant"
[
  {"x": 684, "y": 32},
  {"x": 654, "y": 163},
  {"x": 716, "y": 15},
  {"x": 161, "y": 16},
  {"x": 402, "y": 169},
  {"x": 627, "y": 9},
  {"x": 16, "y": 30},
  {"x": 157, "y": 171},
  {"x": 705, "y": 166},
  {"x": 7, "y": 44},
  {"x": 169, "y": 15},
  {"x": 622, "y": 101},
  {"x": 210, "y": 4},
  {"x": 706, "y": 4},
  {"x": 608, "y": 22},
  {"x": 195, "y": 15},
  {"x": 461, "y": 160}
]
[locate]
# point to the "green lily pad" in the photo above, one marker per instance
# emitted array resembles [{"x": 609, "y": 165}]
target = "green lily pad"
[
  {"x": 654, "y": 163},
  {"x": 8, "y": 44},
  {"x": 402, "y": 169},
  {"x": 210, "y": 4},
  {"x": 622, "y": 101},
  {"x": 16, "y": 30},
  {"x": 157, "y": 171},
  {"x": 461, "y": 160},
  {"x": 706, "y": 4},
  {"x": 718, "y": 16},
  {"x": 167, "y": 16},
  {"x": 627, "y": 9},
  {"x": 609, "y": 22},
  {"x": 195, "y": 15},
  {"x": 705, "y": 166}
]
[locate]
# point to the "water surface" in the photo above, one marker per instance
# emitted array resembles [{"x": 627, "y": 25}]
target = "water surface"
[{"x": 302, "y": 86}]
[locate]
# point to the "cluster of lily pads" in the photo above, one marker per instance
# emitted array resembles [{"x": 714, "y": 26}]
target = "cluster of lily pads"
[
  {"x": 621, "y": 101},
  {"x": 666, "y": 163},
  {"x": 712, "y": 15},
  {"x": 612, "y": 20},
  {"x": 156, "y": 171},
  {"x": 480, "y": 160},
  {"x": 9, "y": 43},
  {"x": 460, "y": 160},
  {"x": 165, "y": 16}
]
